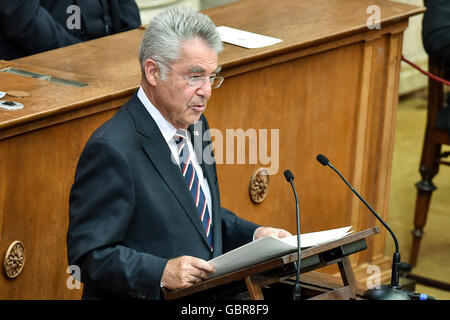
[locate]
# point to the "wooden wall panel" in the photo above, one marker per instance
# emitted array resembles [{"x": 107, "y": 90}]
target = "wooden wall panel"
[
  {"x": 298, "y": 90},
  {"x": 35, "y": 204}
]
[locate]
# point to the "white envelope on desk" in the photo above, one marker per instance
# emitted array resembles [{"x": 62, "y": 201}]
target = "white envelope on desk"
[{"x": 245, "y": 39}]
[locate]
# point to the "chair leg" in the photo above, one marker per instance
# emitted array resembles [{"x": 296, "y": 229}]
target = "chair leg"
[
  {"x": 428, "y": 169},
  {"x": 420, "y": 217}
]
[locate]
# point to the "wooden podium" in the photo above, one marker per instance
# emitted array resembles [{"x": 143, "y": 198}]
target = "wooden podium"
[
  {"x": 331, "y": 87},
  {"x": 280, "y": 270}
]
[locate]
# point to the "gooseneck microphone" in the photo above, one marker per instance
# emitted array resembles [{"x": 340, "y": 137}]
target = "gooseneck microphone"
[
  {"x": 385, "y": 292},
  {"x": 296, "y": 290}
]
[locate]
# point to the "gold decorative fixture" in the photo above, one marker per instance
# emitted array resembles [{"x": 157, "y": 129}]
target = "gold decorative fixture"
[
  {"x": 259, "y": 185},
  {"x": 14, "y": 259}
]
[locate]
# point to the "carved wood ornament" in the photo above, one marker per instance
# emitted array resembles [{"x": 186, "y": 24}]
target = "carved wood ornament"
[
  {"x": 259, "y": 185},
  {"x": 14, "y": 259}
]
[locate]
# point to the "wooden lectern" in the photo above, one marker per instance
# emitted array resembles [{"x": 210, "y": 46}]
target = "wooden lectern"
[{"x": 253, "y": 279}]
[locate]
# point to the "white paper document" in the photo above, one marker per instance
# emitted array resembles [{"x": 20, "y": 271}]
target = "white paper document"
[
  {"x": 268, "y": 248},
  {"x": 245, "y": 39}
]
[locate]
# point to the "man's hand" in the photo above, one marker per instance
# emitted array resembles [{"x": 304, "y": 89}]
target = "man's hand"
[
  {"x": 185, "y": 271},
  {"x": 263, "y": 232}
]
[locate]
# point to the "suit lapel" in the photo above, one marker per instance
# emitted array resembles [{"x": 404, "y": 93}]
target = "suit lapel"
[{"x": 159, "y": 154}]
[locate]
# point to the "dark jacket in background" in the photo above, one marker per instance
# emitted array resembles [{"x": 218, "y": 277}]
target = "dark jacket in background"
[
  {"x": 436, "y": 29},
  {"x": 436, "y": 41},
  {"x": 32, "y": 26}
]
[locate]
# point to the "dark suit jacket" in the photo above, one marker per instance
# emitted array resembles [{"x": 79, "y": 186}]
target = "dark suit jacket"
[
  {"x": 33, "y": 26},
  {"x": 130, "y": 210},
  {"x": 436, "y": 29}
]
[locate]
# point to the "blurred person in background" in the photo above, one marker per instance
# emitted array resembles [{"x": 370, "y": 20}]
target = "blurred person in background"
[{"x": 33, "y": 26}]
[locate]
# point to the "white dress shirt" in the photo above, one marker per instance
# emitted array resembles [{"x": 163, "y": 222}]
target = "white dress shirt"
[{"x": 168, "y": 131}]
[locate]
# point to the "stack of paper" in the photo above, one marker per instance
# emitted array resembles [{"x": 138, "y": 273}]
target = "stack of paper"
[
  {"x": 268, "y": 248},
  {"x": 246, "y": 39}
]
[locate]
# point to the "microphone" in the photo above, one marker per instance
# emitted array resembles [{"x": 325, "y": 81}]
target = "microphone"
[
  {"x": 296, "y": 290},
  {"x": 386, "y": 292}
]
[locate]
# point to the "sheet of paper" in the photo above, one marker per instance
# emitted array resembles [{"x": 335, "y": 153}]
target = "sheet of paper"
[
  {"x": 268, "y": 248},
  {"x": 245, "y": 39},
  {"x": 316, "y": 238}
]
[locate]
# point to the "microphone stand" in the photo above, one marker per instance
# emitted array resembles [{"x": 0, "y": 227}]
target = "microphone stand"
[
  {"x": 297, "y": 287},
  {"x": 394, "y": 290}
]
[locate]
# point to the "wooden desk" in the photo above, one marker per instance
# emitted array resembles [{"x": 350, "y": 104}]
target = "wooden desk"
[{"x": 330, "y": 87}]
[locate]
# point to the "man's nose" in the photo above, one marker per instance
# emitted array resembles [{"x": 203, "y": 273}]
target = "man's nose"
[{"x": 205, "y": 89}]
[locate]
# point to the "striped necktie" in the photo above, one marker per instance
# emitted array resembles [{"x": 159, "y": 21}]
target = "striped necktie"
[{"x": 193, "y": 184}]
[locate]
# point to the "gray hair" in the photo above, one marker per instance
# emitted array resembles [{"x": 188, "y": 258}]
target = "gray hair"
[{"x": 169, "y": 29}]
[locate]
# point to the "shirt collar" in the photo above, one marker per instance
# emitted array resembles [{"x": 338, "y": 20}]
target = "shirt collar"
[{"x": 164, "y": 126}]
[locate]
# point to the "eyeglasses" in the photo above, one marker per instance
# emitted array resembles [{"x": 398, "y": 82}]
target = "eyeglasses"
[{"x": 198, "y": 81}]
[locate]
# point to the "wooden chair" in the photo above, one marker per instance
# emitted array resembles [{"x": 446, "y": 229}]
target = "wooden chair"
[{"x": 435, "y": 137}]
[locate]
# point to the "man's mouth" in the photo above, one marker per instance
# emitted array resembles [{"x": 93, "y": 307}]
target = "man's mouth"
[{"x": 198, "y": 107}]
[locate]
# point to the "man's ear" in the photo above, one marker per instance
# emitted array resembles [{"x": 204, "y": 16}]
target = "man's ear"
[{"x": 151, "y": 71}]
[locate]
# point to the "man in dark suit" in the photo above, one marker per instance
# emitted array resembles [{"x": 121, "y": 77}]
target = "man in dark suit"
[
  {"x": 145, "y": 209},
  {"x": 33, "y": 26}
]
